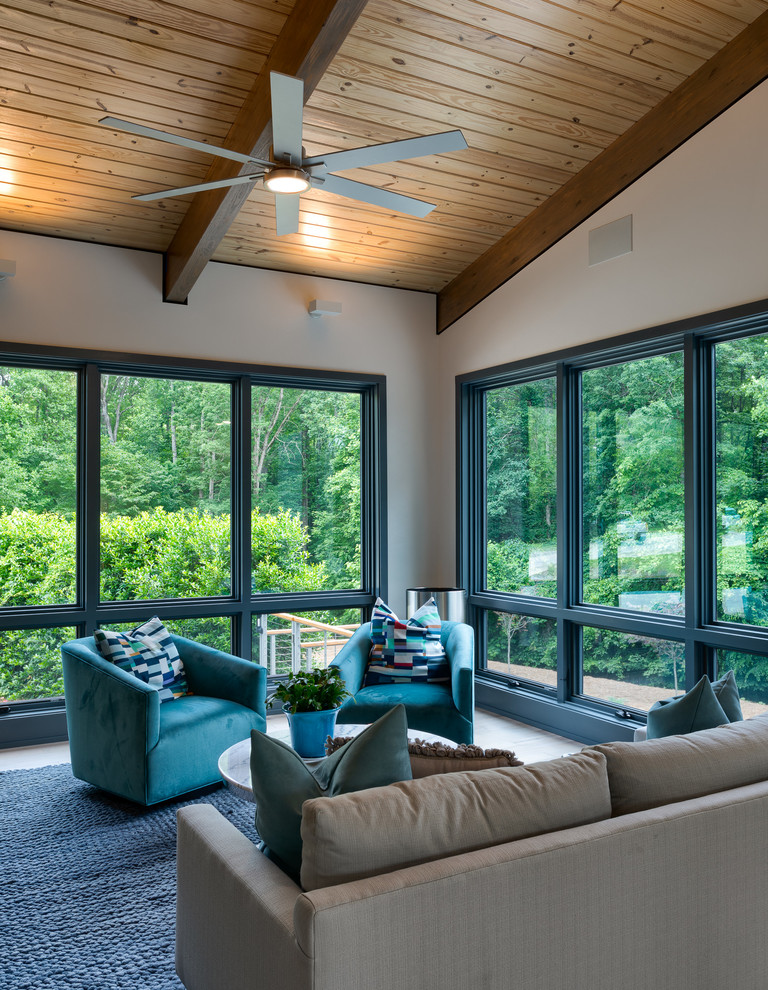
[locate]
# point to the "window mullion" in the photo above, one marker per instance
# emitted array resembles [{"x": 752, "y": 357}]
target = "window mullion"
[
  {"x": 471, "y": 454},
  {"x": 470, "y": 507},
  {"x": 89, "y": 528},
  {"x": 569, "y": 494},
  {"x": 699, "y": 453},
  {"x": 241, "y": 515},
  {"x": 564, "y": 508},
  {"x": 373, "y": 492},
  {"x": 480, "y": 558},
  {"x": 568, "y": 527}
]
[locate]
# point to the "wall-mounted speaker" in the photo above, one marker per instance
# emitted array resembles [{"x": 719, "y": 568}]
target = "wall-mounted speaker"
[{"x": 612, "y": 240}]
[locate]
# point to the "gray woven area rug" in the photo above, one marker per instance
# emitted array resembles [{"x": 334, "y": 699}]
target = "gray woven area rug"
[{"x": 88, "y": 884}]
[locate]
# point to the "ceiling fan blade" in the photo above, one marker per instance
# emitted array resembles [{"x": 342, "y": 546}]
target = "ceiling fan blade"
[
  {"x": 287, "y": 117},
  {"x": 374, "y": 195},
  {"x": 151, "y": 132},
  {"x": 287, "y": 213},
  {"x": 392, "y": 151},
  {"x": 199, "y": 187}
]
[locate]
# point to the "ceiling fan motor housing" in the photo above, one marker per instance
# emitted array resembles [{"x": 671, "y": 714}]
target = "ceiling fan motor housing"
[{"x": 283, "y": 179}]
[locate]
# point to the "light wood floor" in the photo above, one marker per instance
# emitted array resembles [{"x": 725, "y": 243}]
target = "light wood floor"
[{"x": 491, "y": 731}]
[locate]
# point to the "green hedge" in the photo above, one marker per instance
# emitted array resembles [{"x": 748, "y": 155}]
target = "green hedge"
[{"x": 154, "y": 554}]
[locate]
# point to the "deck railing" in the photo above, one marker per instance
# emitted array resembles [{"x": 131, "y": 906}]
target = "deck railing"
[{"x": 303, "y": 645}]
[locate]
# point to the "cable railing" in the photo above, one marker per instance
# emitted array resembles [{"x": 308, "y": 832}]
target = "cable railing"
[{"x": 302, "y": 644}]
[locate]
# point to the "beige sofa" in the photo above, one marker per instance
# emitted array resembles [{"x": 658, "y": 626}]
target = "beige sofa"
[{"x": 625, "y": 865}]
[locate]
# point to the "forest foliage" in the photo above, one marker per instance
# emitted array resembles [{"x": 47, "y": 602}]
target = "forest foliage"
[
  {"x": 166, "y": 492},
  {"x": 633, "y": 552},
  {"x": 165, "y": 525}
]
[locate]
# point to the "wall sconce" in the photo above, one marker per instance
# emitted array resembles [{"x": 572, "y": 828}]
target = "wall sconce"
[
  {"x": 7, "y": 269},
  {"x": 324, "y": 307}
]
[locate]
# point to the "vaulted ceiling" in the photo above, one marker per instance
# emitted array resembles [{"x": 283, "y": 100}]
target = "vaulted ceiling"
[{"x": 563, "y": 104}]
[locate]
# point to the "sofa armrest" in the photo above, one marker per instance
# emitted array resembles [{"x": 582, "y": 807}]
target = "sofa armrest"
[
  {"x": 106, "y": 706},
  {"x": 216, "y": 674},
  {"x": 460, "y": 649},
  {"x": 352, "y": 658},
  {"x": 234, "y": 910}
]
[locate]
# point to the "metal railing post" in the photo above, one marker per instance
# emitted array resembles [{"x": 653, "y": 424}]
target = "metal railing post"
[
  {"x": 295, "y": 647},
  {"x": 261, "y": 628}
]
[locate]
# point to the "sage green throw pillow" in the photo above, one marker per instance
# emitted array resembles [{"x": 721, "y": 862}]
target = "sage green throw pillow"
[
  {"x": 696, "y": 710},
  {"x": 282, "y": 781},
  {"x": 727, "y": 693}
]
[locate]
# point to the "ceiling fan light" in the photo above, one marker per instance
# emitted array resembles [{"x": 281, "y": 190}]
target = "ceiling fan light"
[{"x": 287, "y": 180}]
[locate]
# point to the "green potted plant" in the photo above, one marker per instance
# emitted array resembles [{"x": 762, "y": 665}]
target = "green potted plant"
[{"x": 311, "y": 700}]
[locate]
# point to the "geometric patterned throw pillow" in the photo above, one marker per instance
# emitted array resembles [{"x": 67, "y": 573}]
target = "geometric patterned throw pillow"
[
  {"x": 148, "y": 653},
  {"x": 406, "y": 652}
]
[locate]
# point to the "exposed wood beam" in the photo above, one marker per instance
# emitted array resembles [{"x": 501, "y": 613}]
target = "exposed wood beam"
[
  {"x": 736, "y": 69},
  {"x": 311, "y": 36}
]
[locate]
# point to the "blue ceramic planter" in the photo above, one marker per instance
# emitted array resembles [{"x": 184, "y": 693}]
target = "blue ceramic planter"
[{"x": 309, "y": 731}]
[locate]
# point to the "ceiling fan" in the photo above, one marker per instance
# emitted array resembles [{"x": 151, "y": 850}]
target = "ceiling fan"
[{"x": 290, "y": 172}]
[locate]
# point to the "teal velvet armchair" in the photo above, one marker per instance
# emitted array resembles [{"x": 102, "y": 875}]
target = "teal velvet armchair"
[
  {"x": 444, "y": 709},
  {"x": 124, "y": 741}
]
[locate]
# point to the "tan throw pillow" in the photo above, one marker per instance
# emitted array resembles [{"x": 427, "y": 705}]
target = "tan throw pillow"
[
  {"x": 387, "y": 828},
  {"x": 428, "y": 758},
  {"x": 676, "y": 768}
]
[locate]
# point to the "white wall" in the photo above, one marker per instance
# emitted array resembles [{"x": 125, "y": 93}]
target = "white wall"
[
  {"x": 700, "y": 232},
  {"x": 81, "y": 295}
]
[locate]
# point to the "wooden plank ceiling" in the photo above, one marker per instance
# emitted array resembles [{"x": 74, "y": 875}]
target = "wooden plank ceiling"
[{"x": 539, "y": 88}]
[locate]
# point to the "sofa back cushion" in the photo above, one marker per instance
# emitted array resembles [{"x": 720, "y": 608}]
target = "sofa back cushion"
[
  {"x": 662, "y": 771},
  {"x": 363, "y": 834}
]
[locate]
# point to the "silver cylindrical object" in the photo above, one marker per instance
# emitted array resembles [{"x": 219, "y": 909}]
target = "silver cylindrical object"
[{"x": 451, "y": 602}]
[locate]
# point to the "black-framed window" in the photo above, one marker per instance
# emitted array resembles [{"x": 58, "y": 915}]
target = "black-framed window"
[
  {"x": 651, "y": 453},
  {"x": 221, "y": 497}
]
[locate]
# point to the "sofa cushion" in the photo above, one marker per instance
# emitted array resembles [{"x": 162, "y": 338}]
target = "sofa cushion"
[
  {"x": 661, "y": 771},
  {"x": 282, "y": 781},
  {"x": 149, "y": 653},
  {"x": 402, "y": 652},
  {"x": 698, "y": 709},
  {"x": 387, "y": 828}
]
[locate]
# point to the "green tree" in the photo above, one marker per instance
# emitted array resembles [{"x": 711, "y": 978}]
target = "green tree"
[
  {"x": 312, "y": 468},
  {"x": 38, "y": 415},
  {"x": 166, "y": 496}
]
